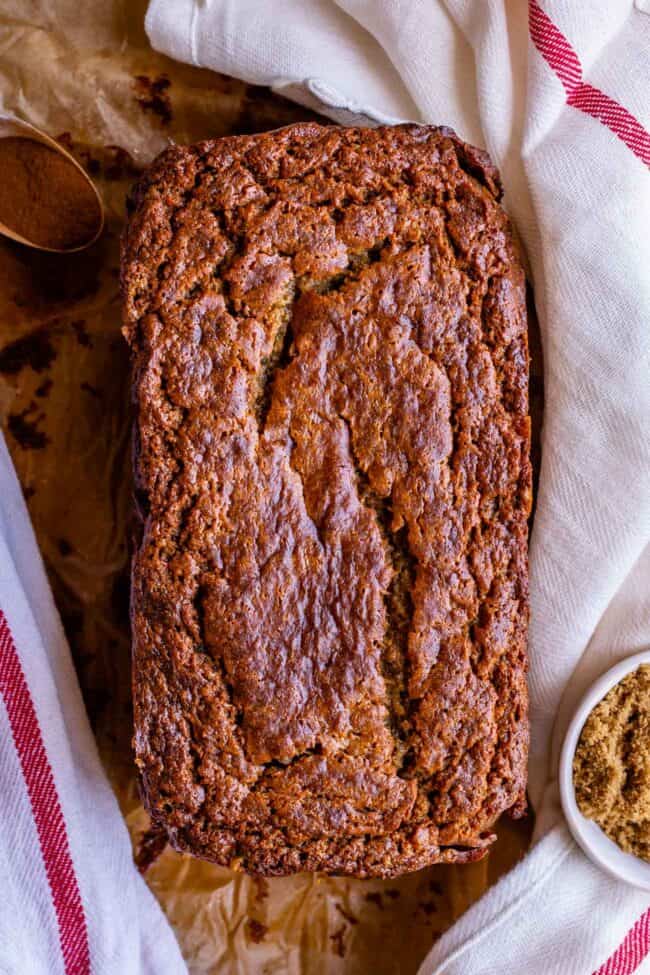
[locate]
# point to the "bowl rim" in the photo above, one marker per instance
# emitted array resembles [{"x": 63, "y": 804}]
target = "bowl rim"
[{"x": 590, "y": 837}]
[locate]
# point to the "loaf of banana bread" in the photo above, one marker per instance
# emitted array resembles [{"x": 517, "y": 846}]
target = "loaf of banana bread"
[{"x": 329, "y": 595}]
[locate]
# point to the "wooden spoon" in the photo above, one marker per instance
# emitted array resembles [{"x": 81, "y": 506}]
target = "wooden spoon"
[{"x": 12, "y": 127}]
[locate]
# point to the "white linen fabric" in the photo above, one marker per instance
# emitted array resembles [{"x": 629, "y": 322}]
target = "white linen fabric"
[
  {"x": 580, "y": 199},
  {"x": 73, "y": 902}
]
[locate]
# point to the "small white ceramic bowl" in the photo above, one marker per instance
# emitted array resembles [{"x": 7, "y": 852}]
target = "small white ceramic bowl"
[{"x": 598, "y": 847}]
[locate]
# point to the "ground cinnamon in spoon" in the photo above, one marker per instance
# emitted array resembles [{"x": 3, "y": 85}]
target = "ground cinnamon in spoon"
[{"x": 43, "y": 197}]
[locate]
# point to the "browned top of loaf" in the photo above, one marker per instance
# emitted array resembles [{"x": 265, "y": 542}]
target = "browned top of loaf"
[{"x": 330, "y": 595}]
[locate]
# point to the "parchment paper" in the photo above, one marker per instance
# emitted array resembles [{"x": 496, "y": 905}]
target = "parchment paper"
[{"x": 85, "y": 74}]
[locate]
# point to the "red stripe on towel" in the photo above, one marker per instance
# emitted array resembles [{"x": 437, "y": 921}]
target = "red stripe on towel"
[
  {"x": 46, "y": 808},
  {"x": 560, "y": 56},
  {"x": 629, "y": 955}
]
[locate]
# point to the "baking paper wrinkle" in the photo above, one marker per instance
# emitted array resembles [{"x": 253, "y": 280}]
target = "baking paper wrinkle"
[{"x": 74, "y": 74}]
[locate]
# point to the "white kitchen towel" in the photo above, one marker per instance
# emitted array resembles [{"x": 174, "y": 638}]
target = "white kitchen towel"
[
  {"x": 559, "y": 93},
  {"x": 72, "y": 900}
]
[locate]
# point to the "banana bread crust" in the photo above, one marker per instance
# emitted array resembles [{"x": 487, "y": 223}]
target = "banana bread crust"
[{"x": 330, "y": 595}]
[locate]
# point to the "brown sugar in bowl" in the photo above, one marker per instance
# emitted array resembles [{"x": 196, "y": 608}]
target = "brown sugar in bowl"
[
  {"x": 598, "y": 846},
  {"x": 611, "y": 767}
]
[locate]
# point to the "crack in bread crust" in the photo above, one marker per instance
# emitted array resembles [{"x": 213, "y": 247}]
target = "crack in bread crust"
[
  {"x": 399, "y": 612},
  {"x": 330, "y": 599}
]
